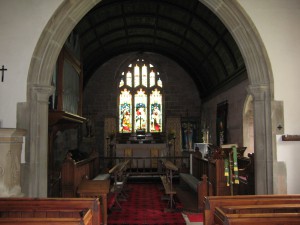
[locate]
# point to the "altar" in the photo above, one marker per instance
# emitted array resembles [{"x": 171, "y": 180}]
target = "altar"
[{"x": 143, "y": 155}]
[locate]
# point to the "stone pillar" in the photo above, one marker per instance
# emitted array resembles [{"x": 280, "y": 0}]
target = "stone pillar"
[
  {"x": 36, "y": 155},
  {"x": 263, "y": 145},
  {"x": 11, "y": 141}
]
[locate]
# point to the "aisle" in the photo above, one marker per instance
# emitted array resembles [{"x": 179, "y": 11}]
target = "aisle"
[{"x": 144, "y": 206}]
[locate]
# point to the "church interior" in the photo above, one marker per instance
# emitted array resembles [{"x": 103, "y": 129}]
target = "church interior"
[
  {"x": 153, "y": 92},
  {"x": 176, "y": 80}
]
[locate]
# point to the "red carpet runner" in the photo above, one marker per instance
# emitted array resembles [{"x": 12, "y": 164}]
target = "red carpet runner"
[
  {"x": 195, "y": 217},
  {"x": 144, "y": 206}
]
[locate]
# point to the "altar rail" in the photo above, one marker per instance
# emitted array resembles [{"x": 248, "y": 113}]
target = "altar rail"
[{"x": 138, "y": 165}]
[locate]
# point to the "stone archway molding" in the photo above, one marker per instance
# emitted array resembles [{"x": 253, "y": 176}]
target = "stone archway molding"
[
  {"x": 43, "y": 62},
  {"x": 260, "y": 86}
]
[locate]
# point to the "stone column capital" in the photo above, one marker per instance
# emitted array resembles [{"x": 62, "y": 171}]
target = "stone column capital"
[
  {"x": 41, "y": 93},
  {"x": 259, "y": 92}
]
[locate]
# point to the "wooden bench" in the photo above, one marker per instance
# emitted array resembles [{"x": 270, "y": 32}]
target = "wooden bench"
[
  {"x": 118, "y": 172},
  {"x": 120, "y": 177},
  {"x": 201, "y": 188},
  {"x": 221, "y": 217},
  {"x": 213, "y": 167},
  {"x": 211, "y": 202},
  {"x": 268, "y": 208},
  {"x": 102, "y": 176},
  {"x": 73, "y": 171},
  {"x": 246, "y": 175},
  {"x": 214, "y": 170},
  {"x": 103, "y": 189},
  {"x": 189, "y": 180},
  {"x": 167, "y": 186},
  {"x": 223, "y": 214},
  {"x": 96, "y": 189},
  {"x": 167, "y": 181},
  {"x": 50, "y": 211},
  {"x": 71, "y": 217}
]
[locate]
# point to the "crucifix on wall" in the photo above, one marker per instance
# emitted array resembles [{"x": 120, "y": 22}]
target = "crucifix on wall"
[{"x": 2, "y": 69}]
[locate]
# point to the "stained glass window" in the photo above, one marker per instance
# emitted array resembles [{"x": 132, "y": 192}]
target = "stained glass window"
[
  {"x": 136, "y": 76},
  {"x": 156, "y": 111},
  {"x": 140, "y": 110},
  {"x": 152, "y": 78},
  {"x": 125, "y": 109},
  {"x": 129, "y": 79},
  {"x": 141, "y": 98},
  {"x": 144, "y": 75}
]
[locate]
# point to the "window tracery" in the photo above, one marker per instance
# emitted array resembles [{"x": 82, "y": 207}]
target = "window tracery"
[{"x": 140, "y": 99}]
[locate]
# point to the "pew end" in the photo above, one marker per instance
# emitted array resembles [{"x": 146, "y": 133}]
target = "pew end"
[
  {"x": 52, "y": 211},
  {"x": 260, "y": 201}
]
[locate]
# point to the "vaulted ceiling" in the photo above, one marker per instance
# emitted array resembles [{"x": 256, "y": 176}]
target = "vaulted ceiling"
[{"x": 183, "y": 30}]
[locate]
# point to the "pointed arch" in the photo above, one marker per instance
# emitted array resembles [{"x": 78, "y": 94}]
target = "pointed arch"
[{"x": 53, "y": 38}]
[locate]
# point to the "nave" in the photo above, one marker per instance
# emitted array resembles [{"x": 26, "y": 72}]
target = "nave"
[{"x": 144, "y": 204}]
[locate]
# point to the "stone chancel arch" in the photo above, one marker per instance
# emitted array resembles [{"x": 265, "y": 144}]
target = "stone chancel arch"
[{"x": 43, "y": 63}]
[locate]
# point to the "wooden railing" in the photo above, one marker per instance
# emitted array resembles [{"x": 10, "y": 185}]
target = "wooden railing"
[{"x": 137, "y": 165}]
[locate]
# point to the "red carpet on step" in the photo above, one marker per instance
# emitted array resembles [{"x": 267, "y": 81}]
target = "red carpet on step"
[
  {"x": 195, "y": 217},
  {"x": 144, "y": 206}
]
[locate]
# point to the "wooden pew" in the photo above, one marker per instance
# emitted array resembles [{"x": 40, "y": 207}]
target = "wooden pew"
[
  {"x": 285, "y": 214},
  {"x": 167, "y": 181},
  {"x": 73, "y": 171},
  {"x": 201, "y": 188},
  {"x": 246, "y": 175},
  {"x": 269, "y": 208},
  {"x": 103, "y": 189},
  {"x": 50, "y": 211},
  {"x": 211, "y": 202},
  {"x": 118, "y": 172},
  {"x": 213, "y": 167},
  {"x": 120, "y": 180},
  {"x": 73, "y": 217},
  {"x": 96, "y": 189},
  {"x": 223, "y": 214},
  {"x": 214, "y": 170}
]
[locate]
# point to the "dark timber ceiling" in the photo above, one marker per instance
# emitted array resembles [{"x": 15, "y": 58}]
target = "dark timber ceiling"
[{"x": 183, "y": 30}]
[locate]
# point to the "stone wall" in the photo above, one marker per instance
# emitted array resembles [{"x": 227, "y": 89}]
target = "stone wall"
[
  {"x": 236, "y": 97},
  {"x": 100, "y": 99}
]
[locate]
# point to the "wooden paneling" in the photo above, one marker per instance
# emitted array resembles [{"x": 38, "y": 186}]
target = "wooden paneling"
[{"x": 74, "y": 172}]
